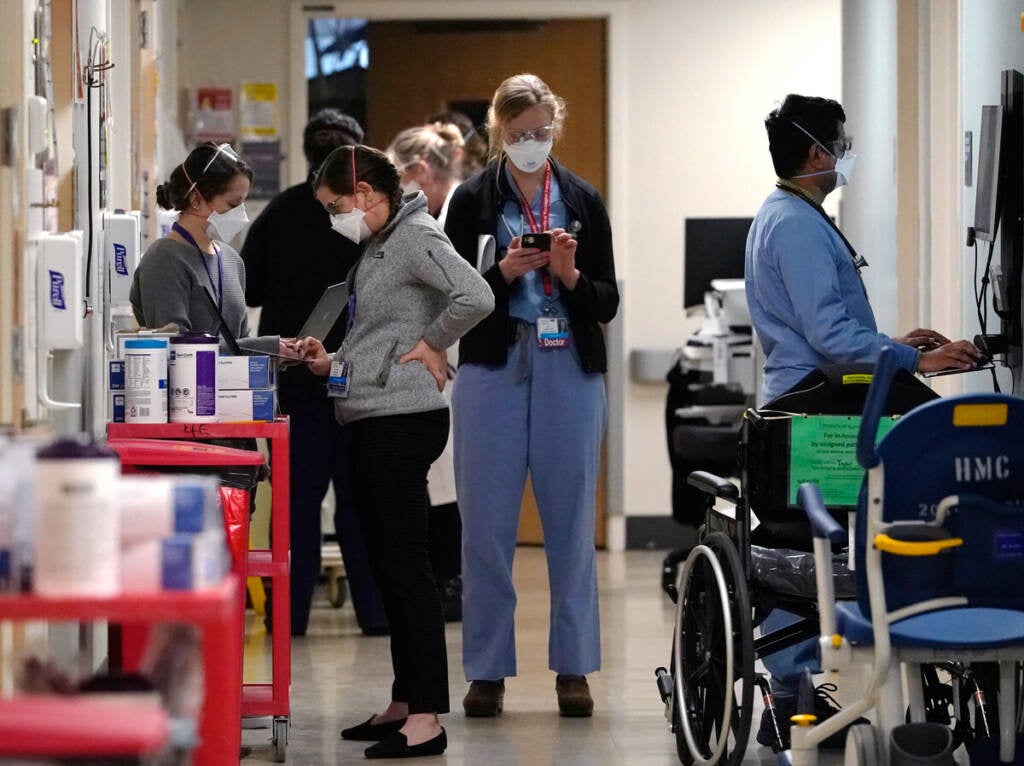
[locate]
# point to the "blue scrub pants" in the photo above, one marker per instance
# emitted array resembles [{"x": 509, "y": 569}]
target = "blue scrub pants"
[
  {"x": 787, "y": 666},
  {"x": 539, "y": 412}
]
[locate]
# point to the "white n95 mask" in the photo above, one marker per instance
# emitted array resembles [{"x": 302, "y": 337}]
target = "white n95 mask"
[
  {"x": 225, "y": 226},
  {"x": 351, "y": 225},
  {"x": 529, "y": 155},
  {"x": 844, "y": 168}
]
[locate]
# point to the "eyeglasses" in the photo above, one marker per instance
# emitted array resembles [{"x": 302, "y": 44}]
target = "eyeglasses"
[
  {"x": 844, "y": 144},
  {"x": 537, "y": 134},
  {"x": 332, "y": 206}
]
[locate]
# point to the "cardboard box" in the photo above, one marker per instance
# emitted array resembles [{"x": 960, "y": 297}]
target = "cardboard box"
[
  {"x": 245, "y": 372},
  {"x": 241, "y": 406},
  {"x": 141, "y": 564},
  {"x": 190, "y": 562}
]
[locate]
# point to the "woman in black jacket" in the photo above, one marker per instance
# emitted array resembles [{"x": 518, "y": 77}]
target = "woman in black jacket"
[{"x": 530, "y": 393}]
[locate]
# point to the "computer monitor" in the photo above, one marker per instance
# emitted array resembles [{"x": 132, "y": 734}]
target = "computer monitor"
[
  {"x": 1011, "y": 206},
  {"x": 714, "y": 249},
  {"x": 986, "y": 204},
  {"x": 999, "y": 218}
]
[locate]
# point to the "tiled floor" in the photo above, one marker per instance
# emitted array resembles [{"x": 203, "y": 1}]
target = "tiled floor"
[{"x": 339, "y": 677}]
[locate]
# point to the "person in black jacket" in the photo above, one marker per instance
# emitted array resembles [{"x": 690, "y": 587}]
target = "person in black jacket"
[
  {"x": 529, "y": 395},
  {"x": 291, "y": 254}
]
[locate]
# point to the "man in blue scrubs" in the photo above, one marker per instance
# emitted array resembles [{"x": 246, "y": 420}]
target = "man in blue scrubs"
[
  {"x": 810, "y": 309},
  {"x": 807, "y": 301}
]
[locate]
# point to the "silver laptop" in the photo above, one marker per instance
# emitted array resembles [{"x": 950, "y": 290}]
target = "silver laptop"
[
  {"x": 326, "y": 312},
  {"x": 317, "y": 325}
]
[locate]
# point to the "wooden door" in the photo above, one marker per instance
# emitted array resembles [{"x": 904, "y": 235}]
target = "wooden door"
[{"x": 418, "y": 68}]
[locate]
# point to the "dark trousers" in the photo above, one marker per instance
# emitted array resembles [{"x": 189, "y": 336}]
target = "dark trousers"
[
  {"x": 319, "y": 455},
  {"x": 390, "y": 457},
  {"x": 445, "y": 541}
]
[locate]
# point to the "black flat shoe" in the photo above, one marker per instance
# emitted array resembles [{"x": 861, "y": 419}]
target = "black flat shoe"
[
  {"x": 368, "y": 731},
  {"x": 397, "y": 746}
]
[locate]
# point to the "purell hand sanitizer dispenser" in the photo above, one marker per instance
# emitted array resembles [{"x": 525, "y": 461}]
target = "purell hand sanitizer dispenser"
[
  {"x": 121, "y": 248},
  {"x": 59, "y": 305}
]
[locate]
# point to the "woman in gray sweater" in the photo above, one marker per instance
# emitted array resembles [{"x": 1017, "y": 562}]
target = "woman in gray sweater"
[{"x": 411, "y": 297}]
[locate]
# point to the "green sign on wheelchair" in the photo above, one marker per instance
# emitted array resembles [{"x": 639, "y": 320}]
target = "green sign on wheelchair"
[{"x": 823, "y": 449}]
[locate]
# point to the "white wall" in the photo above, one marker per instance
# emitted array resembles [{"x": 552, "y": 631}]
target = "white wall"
[
  {"x": 701, "y": 79},
  {"x": 228, "y": 41}
]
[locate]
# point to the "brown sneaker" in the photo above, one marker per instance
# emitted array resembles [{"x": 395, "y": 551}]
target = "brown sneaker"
[
  {"x": 574, "y": 700},
  {"x": 484, "y": 699}
]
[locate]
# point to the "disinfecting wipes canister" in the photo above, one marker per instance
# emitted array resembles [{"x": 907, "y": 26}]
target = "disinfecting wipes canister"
[
  {"x": 77, "y": 538},
  {"x": 145, "y": 380},
  {"x": 192, "y": 378}
]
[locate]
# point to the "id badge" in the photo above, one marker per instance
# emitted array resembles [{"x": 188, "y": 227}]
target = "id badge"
[
  {"x": 552, "y": 332},
  {"x": 337, "y": 381}
]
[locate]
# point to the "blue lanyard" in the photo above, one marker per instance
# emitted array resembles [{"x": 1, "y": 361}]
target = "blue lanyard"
[{"x": 218, "y": 289}]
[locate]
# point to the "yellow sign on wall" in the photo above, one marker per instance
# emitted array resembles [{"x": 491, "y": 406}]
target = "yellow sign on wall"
[{"x": 258, "y": 110}]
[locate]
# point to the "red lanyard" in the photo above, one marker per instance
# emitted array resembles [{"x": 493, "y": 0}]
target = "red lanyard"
[{"x": 545, "y": 218}]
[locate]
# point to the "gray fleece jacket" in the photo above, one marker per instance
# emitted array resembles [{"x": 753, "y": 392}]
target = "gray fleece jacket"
[{"x": 410, "y": 284}]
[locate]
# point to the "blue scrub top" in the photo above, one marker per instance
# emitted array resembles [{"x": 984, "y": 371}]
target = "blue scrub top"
[
  {"x": 527, "y": 300},
  {"x": 807, "y": 301}
]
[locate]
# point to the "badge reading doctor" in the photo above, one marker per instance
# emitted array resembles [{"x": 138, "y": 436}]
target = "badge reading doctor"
[{"x": 552, "y": 332}]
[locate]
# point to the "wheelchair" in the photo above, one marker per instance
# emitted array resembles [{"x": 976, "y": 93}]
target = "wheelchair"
[
  {"x": 738, "y": 572},
  {"x": 939, "y": 560}
]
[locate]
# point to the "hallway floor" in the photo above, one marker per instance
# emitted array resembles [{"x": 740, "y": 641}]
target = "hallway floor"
[{"x": 340, "y": 677}]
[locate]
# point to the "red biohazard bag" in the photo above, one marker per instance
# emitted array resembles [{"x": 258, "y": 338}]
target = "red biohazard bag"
[{"x": 235, "y": 504}]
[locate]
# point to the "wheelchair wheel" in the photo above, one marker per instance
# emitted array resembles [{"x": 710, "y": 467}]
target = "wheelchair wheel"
[
  {"x": 862, "y": 746},
  {"x": 713, "y": 657}
]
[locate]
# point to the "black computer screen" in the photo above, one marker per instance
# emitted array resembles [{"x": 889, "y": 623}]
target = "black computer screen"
[
  {"x": 986, "y": 211},
  {"x": 713, "y": 249},
  {"x": 1011, "y": 200}
]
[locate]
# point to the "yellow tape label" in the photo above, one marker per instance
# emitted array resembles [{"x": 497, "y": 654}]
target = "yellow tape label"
[
  {"x": 980, "y": 415},
  {"x": 858, "y": 377}
]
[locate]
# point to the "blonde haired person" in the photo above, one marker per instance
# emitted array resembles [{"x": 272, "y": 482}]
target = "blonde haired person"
[
  {"x": 530, "y": 394},
  {"x": 474, "y": 156},
  {"x": 429, "y": 159}
]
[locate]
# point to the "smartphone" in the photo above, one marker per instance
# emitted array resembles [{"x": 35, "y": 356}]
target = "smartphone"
[{"x": 540, "y": 240}]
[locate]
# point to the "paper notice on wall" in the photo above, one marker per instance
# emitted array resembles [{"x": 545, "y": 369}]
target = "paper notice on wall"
[
  {"x": 259, "y": 111},
  {"x": 213, "y": 117}
]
